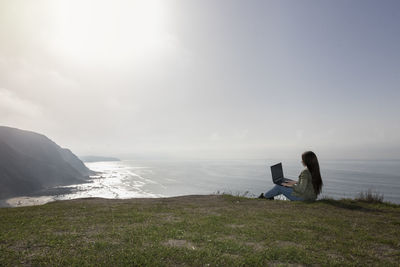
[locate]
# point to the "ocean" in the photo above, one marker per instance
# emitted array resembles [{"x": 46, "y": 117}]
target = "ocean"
[{"x": 167, "y": 178}]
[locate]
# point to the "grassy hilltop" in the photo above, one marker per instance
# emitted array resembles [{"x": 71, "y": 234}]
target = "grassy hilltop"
[{"x": 210, "y": 230}]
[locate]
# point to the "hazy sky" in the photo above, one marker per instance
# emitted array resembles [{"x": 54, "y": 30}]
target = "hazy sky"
[{"x": 204, "y": 79}]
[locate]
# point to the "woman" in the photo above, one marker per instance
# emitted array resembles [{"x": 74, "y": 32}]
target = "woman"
[{"x": 307, "y": 188}]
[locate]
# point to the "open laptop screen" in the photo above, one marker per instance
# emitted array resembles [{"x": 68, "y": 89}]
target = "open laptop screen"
[{"x": 277, "y": 172}]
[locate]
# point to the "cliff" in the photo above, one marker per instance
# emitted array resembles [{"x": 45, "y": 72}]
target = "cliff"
[{"x": 30, "y": 162}]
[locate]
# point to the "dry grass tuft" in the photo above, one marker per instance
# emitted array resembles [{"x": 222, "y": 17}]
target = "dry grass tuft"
[{"x": 370, "y": 197}]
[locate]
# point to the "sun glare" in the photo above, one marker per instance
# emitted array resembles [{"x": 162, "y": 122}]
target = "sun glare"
[{"x": 114, "y": 31}]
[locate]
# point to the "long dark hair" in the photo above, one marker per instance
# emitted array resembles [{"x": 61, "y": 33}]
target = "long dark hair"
[{"x": 310, "y": 160}]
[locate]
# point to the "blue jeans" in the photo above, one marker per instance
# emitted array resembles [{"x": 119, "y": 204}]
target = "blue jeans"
[{"x": 280, "y": 189}]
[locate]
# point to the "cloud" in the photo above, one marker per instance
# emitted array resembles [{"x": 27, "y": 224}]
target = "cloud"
[
  {"x": 132, "y": 77},
  {"x": 12, "y": 105},
  {"x": 215, "y": 136}
]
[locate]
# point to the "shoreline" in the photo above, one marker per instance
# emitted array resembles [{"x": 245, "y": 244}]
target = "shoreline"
[{"x": 35, "y": 198}]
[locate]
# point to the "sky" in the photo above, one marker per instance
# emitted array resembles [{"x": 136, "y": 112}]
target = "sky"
[{"x": 204, "y": 79}]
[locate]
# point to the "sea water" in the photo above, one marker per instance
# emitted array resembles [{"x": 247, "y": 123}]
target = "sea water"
[{"x": 167, "y": 178}]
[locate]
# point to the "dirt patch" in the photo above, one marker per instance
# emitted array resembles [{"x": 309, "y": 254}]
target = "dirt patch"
[
  {"x": 385, "y": 252},
  {"x": 335, "y": 256},
  {"x": 258, "y": 246},
  {"x": 282, "y": 243},
  {"x": 169, "y": 217},
  {"x": 179, "y": 243},
  {"x": 227, "y": 237},
  {"x": 277, "y": 263},
  {"x": 204, "y": 211},
  {"x": 236, "y": 225},
  {"x": 232, "y": 256},
  {"x": 63, "y": 232},
  {"x": 255, "y": 246}
]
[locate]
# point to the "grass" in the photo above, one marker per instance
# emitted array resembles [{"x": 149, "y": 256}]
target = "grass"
[
  {"x": 214, "y": 230},
  {"x": 370, "y": 197}
]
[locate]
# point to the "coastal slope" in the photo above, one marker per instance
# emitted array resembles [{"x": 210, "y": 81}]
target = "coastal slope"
[
  {"x": 210, "y": 230},
  {"x": 30, "y": 162}
]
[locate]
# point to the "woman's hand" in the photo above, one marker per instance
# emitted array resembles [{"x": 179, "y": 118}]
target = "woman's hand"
[{"x": 289, "y": 183}]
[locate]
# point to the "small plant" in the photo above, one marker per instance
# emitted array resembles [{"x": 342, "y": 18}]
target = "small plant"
[{"x": 370, "y": 197}]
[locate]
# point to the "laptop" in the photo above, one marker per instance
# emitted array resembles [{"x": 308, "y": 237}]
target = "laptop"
[{"x": 277, "y": 174}]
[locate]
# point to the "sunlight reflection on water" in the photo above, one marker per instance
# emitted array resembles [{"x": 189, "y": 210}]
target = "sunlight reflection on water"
[{"x": 117, "y": 180}]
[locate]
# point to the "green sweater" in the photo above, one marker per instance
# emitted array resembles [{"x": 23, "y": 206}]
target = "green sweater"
[{"x": 304, "y": 188}]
